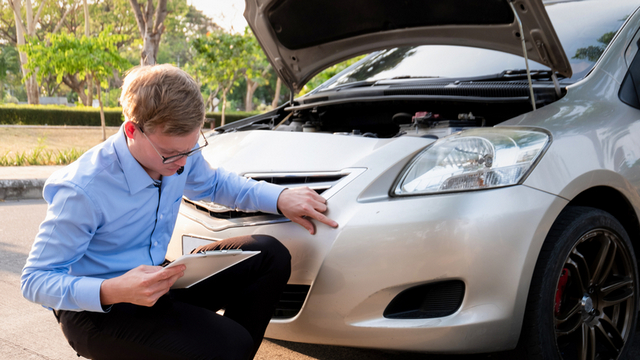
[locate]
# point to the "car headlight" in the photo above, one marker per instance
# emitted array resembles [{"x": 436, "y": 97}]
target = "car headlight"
[{"x": 473, "y": 159}]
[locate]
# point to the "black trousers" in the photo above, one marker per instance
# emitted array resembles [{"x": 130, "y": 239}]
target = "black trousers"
[{"x": 183, "y": 324}]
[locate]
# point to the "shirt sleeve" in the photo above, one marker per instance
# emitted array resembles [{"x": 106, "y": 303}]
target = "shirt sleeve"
[
  {"x": 229, "y": 189},
  {"x": 72, "y": 219}
]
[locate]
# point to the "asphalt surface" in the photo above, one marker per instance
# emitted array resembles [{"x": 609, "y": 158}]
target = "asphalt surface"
[{"x": 28, "y": 331}]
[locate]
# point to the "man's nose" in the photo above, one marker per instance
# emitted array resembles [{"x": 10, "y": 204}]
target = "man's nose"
[{"x": 182, "y": 161}]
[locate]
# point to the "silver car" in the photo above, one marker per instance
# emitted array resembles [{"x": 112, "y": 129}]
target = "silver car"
[{"x": 483, "y": 162}]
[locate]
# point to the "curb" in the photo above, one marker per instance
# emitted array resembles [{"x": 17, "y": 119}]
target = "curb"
[
  {"x": 24, "y": 182},
  {"x": 21, "y": 189}
]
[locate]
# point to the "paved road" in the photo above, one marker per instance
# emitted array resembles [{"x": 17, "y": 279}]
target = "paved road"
[{"x": 27, "y": 331}]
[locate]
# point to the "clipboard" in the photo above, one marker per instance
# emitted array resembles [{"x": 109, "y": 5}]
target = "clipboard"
[{"x": 202, "y": 266}]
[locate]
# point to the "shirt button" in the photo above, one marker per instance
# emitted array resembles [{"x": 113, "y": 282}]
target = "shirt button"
[
  {"x": 161, "y": 216},
  {"x": 155, "y": 243}
]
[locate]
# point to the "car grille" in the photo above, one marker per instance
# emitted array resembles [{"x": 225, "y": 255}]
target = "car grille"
[
  {"x": 219, "y": 211},
  {"x": 316, "y": 181},
  {"x": 321, "y": 182},
  {"x": 427, "y": 301},
  {"x": 291, "y": 301}
]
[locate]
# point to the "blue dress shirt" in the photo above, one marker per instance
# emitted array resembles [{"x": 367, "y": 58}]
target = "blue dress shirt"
[{"x": 106, "y": 217}]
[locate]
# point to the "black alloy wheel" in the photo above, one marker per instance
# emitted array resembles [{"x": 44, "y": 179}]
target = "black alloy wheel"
[{"x": 583, "y": 299}]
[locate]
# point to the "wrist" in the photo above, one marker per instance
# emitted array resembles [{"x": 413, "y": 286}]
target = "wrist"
[{"x": 108, "y": 293}]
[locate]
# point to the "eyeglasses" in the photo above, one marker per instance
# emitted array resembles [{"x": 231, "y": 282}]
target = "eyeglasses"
[{"x": 174, "y": 158}]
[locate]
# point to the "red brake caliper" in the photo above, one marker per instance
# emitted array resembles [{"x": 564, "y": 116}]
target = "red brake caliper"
[{"x": 562, "y": 283}]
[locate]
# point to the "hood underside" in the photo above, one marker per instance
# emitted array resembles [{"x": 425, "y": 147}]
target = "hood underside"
[{"x": 301, "y": 38}]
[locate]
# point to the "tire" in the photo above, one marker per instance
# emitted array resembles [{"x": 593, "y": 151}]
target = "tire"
[{"x": 583, "y": 299}]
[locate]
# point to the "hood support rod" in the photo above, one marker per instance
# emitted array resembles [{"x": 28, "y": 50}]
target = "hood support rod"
[
  {"x": 291, "y": 96},
  {"x": 524, "y": 50}
]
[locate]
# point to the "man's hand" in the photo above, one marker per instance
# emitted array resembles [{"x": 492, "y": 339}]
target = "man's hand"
[
  {"x": 299, "y": 204},
  {"x": 143, "y": 285}
]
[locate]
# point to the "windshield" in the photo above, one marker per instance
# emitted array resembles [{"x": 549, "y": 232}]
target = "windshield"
[{"x": 584, "y": 28}]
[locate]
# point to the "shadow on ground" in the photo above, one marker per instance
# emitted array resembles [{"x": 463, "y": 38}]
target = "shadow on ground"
[{"x": 326, "y": 352}]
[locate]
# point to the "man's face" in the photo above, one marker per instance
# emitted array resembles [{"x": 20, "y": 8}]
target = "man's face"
[{"x": 148, "y": 148}]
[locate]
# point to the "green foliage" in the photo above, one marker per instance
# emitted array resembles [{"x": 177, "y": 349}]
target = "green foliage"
[
  {"x": 183, "y": 24},
  {"x": 68, "y": 55},
  {"x": 9, "y": 69},
  {"x": 40, "y": 156},
  {"x": 256, "y": 60},
  {"x": 245, "y": 60},
  {"x": 328, "y": 73},
  {"x": 116, "y": 14},
  {"x": 221, "y": 58},
  {"x": 9, "y": 61},
  {"x": 57, "y": 115}
]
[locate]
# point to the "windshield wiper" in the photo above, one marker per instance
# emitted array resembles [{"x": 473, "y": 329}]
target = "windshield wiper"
[
  {"x": 349, "y": 85},
  {"x": 521, "y": 74},
  {"x": 364, "y": 83},
  {"x": 411, "y": 77}
]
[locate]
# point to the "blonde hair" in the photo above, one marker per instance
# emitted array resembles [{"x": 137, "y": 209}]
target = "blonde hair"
[{"x": 162, "y": 97}]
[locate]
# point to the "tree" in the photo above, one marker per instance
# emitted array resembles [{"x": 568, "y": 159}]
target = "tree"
[
  {"x": 67, "y": 54},
  {"x": 276, "y": 96},
  {"x": 118, "y": 16},
  {"x": 48, "y": 18},
  {"x": 21, "y": 32},
  {"x": 9, "y": 67},
  {"x": 257, "y": 68},
  {"x": 220, "y": 61},
  {"x": 329, "y": 72},
  {"x": 151, "y": 27},
  {"x": 183, "y": 23}
]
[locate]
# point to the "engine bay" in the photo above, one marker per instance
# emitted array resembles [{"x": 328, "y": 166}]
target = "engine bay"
[
  {"x": 421, "y": 124},
  {"x": 424, "y": 111},
  {"x": 380, "y": 120}
]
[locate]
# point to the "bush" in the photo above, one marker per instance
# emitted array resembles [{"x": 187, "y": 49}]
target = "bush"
[
  {"x": 57, "y": 115},
  {"x": 62, "y": 115}
]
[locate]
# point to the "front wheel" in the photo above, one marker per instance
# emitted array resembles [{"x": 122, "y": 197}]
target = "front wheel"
[{"x": 583, "y": 297}]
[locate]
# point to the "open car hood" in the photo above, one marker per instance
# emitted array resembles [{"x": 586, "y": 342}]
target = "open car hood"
[{"x": 303, "y": 37}]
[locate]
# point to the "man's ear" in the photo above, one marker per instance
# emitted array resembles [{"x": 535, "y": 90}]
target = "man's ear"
[{"x": 129, "y": 129}]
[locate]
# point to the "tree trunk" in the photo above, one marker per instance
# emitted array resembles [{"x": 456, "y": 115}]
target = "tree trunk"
[
  {"x": 117, "y": 81},
  {"x": 31, "y": 85},
  {"x": 224, "y": 105},
  {"x": 102, "y": 122},
  {"x": 276, "y": 97},
  {"x": 33, "y": 93},
  {"x": 150, "y": 30},
  {"x": 251, "y": 89},
  {"x": 77, "y": 86},
  {"x": 87, "y": 33},
  {"x": 89, "y": 91}
]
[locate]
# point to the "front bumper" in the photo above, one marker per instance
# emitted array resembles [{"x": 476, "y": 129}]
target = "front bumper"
[{"x": 487, "y": 239}]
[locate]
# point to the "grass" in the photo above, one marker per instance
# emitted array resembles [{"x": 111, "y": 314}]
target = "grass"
[{"x": 21, "y": 146}]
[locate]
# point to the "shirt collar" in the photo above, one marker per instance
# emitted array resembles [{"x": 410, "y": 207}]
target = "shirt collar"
[{"x": 137, "y": 177}]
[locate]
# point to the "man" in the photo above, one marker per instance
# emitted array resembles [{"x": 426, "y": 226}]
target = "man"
[{"x": 110, "y": 217}]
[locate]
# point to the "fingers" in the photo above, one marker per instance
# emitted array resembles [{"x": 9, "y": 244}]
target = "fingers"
[
  {"x": 302, "y": 204},
  {"x": 160, "y": 282},
  {"x": 171, "y": 271},
  {"x": 305, "y": 224},
  {"x": 169, "y": 276},
  {"x": 324, "y": 219},
  {"x": 161, "y": 287},
  {"x": 317, "y": 209}
]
